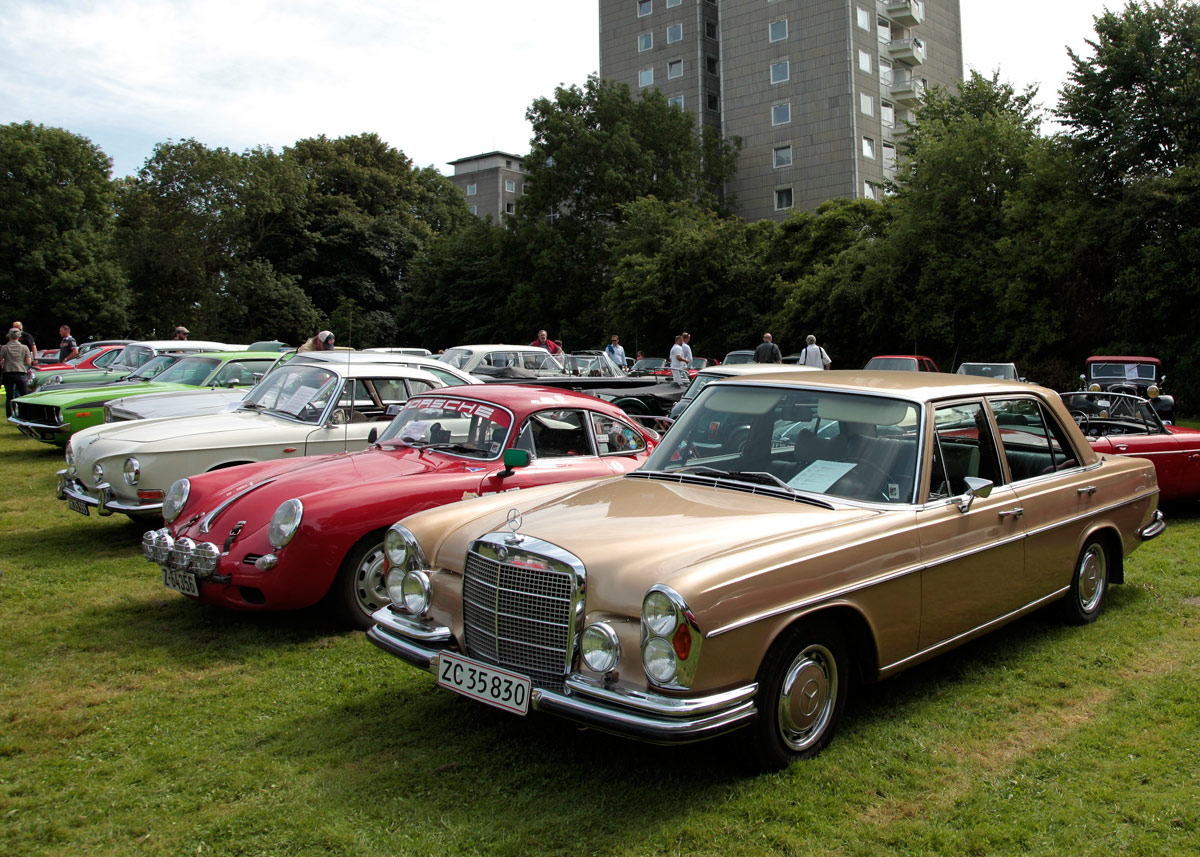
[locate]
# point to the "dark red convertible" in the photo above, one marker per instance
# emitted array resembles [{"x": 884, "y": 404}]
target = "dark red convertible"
[
  {"x": 282, "y": 535},
  {"x": 1122, "y": 424}
]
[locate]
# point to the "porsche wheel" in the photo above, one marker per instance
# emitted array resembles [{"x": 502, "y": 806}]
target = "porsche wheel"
[{"x": 359, "y": 589}]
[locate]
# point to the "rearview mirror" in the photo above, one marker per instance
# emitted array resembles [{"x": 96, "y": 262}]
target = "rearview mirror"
[{"x": 514, "y": 458}]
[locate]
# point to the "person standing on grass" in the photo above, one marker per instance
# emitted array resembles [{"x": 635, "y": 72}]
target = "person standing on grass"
[
  {"x": 68, "y": 348},
  {"x": 16, "y": 362},
  {"x": 767, "y": 351}
]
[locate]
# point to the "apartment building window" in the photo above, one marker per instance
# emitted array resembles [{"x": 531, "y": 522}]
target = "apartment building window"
[
  {"x": 714, "y": 103},
  {"x": 864, "y": 19},
  {"x": 864, "y": 61},
  {"x": 777, "y": 31},
  {"x": 871, "y": 191},
  {"x": 889, "y": 158},
  {"x": 868, "y": 146},
  {"x": 780, "y": 71},
  {"x": 646, "y": 77},
  {"x": 675, "y": 101},
  {"x": 645, "y": 7},
  {"x": 783, "y": 198},
  {"x": 710, "y": 65},
  {"x": 671, "y": 4},
  {"x": 674, "y": 69},
  {"x": 473, "y": 210},
  {"x": 781, "y": 156},
  {"x": 471, "y": 190},
  {"x": 884, "y": 27},
  {"x": 645, "y": 42},
  {"x": 885, "y": 71},
  {"x": 887, "y": 113},
  {"x": 509, "y": 208},
  {"x": 510, "y": 186},
  {"x": 710, "y": 29},
  {"x": 781, "y": 114},
  {"x": 866, "y": 103},
  {"x": 674, "y": 34}
]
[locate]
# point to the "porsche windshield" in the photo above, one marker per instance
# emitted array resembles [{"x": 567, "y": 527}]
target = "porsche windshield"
[
  {"x": 813, "y": 441},
  {"x": 459, "y": 426},
  {"x": 297, "y": 391}
]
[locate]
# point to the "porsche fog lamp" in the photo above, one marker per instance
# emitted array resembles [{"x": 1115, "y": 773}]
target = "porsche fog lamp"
[
  {"x": 176, "y": 499},
  {"x": 600, "y": 647},
  {"x": 148, "y": 544},
  {"x": 132, "y": 471},
  {"x": 181, "y": 553},
  {"x": 285, "y": 522},
  {"x": 205, "y": 556},
  {"x": 163, "y": 542}
]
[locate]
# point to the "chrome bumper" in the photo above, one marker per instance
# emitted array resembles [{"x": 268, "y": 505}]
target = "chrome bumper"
[
  {"x": 103, "y": 499},
  {"x": 643, "y": 715},
  {"x": 40, "y": 431},
  {"x": 1158, "y": 523}
]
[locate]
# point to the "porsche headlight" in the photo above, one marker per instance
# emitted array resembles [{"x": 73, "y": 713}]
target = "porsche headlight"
[
  {"x": 176, "y": 499},
  {"x": 600, "y": 647},
  {"x": 133, "y": 471},
  {"x": 285, "y": 522}
]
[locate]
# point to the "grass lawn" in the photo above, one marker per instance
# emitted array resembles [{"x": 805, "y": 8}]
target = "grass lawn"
[{"x": 133, "y": 721}]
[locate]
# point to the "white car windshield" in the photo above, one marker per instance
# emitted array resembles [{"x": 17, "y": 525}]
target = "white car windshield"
[
  {"x": 458, "y": 426},
  {"x": 858, "y": 447},
  {"x": 297, "y": 391}
]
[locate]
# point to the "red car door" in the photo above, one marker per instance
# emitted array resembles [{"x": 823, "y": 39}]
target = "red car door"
[{"x": 1176, "y": 458}]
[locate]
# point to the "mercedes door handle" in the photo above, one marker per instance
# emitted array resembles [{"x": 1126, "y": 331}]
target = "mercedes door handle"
[
  {"x": 1013, "y": 513},
  {"x": 1090, "y": 489}
]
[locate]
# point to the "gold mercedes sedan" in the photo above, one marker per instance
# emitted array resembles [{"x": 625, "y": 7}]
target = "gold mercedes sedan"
[{"x": 791, "y": 535}]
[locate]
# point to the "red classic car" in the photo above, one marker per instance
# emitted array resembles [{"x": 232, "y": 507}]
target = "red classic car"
[
  {"x": 282, "y": 535},
  {"x": 1129, "y": 425},
  {"x": 98, "y": 357}
]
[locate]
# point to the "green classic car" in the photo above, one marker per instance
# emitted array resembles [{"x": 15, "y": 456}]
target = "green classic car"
[
  {"x": 132, "y": 358},
  {"x": 53, "y": 415}
]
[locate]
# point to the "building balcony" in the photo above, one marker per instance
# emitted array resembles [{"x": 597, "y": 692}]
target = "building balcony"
[
  {"x": 908, "y": 13},
  {"x": 910, "y": 50},
  {"x": 909, "y": 91}
]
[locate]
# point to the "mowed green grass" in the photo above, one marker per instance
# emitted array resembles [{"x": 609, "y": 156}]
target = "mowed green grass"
[{"x": 133, "y": 721}]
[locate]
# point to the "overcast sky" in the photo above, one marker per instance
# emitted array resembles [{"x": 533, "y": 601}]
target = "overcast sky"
[{"x": 439, "y": 81}]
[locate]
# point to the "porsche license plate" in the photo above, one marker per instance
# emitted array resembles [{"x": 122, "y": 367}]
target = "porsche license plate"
[
  {"x": 485, "y": 683},
  {"x": 77, "y": 505},
  {"x": 181, "y": 581}
]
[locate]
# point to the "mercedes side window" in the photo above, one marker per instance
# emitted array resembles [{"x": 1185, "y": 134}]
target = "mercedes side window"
[
  {"x": 1033, "y": 442},
  {"x": 963, "y": 446}
]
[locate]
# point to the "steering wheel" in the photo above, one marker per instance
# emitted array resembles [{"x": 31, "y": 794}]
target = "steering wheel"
[
  {"x": 1081, "y": 420},
  {"x": 887, "y": 477}
]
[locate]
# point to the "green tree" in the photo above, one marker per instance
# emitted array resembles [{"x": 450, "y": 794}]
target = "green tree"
[
  {"x": 1133, "y": 107},
  {"x": 56, "y": 222}
]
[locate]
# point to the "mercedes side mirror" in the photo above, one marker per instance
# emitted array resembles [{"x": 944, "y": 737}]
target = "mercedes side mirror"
[{"x": 976, "y": 487}]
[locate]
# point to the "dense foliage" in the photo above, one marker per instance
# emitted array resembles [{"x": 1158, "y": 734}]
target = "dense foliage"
[{"x": 996, "y": 241}]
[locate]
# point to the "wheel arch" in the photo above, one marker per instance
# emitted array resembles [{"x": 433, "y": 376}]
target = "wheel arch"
[
  {"x": 856, "y": 630},
  {"x": 1110, "y": 537}
]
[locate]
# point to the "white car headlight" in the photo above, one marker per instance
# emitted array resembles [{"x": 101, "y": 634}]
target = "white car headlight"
[
  {"x": 285, "y": 522},
  {"x": 402, "y": 549},
  {"x": 176, "y": 499},
  {"x": 98, "y": 472},
  {"x": 659, "y": 661},
  {"x": 601, "y": 648},
  {"x": 70, "y": 453},
  {"x": 133, "y": 471},
  {"x": 659, "y": 613},
  {"x": 416, "y": 592}
]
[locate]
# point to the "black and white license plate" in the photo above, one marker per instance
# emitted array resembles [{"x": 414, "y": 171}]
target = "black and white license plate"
[
  {"x": 77, "y": 505},
  {"x": 484, "y": 682},
  {"x": 181, "y": 581}
]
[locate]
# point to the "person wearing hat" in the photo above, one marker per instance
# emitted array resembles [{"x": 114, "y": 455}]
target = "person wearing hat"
[
  {"x": 16, "y": 362},
  {"x": 323, "y": 341},
  {"x": 181, "y": 332}
]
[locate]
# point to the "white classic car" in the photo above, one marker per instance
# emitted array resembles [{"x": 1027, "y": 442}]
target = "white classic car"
[
  {"x": 302, "y": 408},
  {"x": 490, "y": 358},
  {"x": 200, "y": 402}
]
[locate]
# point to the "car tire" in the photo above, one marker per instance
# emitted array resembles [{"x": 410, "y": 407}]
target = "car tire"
[
  {"x": 802, "y": 687},
  {"x": 1089, "y": 584},
  {"x": 359, "y": 588}
]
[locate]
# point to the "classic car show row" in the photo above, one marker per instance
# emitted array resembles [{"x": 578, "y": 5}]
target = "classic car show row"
[{"x": 553, "y": 533}]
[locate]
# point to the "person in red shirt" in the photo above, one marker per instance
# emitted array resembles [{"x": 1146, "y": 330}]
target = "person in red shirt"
[{"x": 548, "y": 344}]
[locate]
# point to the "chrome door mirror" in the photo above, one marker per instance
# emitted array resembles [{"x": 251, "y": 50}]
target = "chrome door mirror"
[{"x": 976, "y": 487}]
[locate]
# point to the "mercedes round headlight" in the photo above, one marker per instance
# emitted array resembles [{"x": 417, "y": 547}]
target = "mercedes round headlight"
[
  {"x": 133, "y": 471},
  {"x": 659, "y": 613},
  {"x": 416, "y": 592},
  {"x": 98, "y": 472},
  {"x": 396, "y": 547},
  {"x": 285, "y": 522},
  {"x": 601, "y": 647},
  {"x": 176, "y": 499},
  {"x": 658, "y": 659}
]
